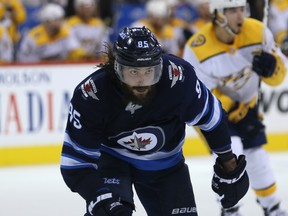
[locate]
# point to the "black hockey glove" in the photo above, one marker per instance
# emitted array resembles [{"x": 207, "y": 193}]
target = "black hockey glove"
[
  {"x": 108, "y": 204},
  {"x": 231, "y": 186},
  {"x": 264, "y": 64}
]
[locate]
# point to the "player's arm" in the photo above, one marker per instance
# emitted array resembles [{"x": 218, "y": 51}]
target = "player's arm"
[
  {"x": 7, "y": 45},
  {"x": 270, "y": 64},
  {"x": 28, "y": 50},
  {"x": 73, "y": 46},
  {"x": 80, "y": 152},
  {"x": 230, "y": 179},
  {"x": 18, "y": 11},
  {"x": 278, "y": 26},
  {"x": 77, "y": 54},
  {"x": 80, "y": 157}
]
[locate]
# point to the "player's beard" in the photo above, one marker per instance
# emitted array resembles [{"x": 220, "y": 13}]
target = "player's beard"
[
  {"x": 128, "y": 95},
  {"x": 141, "y": 97}
]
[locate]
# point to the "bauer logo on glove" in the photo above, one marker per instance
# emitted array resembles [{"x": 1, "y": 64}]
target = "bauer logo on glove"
[{"x": 230, "y": 186}]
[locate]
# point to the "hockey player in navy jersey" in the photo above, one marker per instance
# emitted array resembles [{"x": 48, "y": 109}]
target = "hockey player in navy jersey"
[{"x": 126, "y": 127}]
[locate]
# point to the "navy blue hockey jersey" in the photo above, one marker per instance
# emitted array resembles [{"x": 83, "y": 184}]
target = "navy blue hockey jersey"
[{"x": 149, "y": 137}]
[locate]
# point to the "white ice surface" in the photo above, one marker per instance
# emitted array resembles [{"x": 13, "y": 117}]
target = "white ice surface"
[{"x": 40, "y": 190}]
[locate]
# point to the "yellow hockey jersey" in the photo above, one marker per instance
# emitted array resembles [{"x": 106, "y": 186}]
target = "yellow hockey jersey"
[
  {"x": 12, "y": 15},
  {"x": 228, "y": 67},
  {"x": 278, "y": 19},
  {"x": 92, "y": 35},
  {"x": 168, "y": 36},
  {"x": 6, "y": 46},
  {"x": 37, "y": 46}
]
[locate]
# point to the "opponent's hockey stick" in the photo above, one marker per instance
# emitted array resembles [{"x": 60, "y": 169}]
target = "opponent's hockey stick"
[
  {"x": 265, "y": 22},
  {"x": 264, "y": 42}
]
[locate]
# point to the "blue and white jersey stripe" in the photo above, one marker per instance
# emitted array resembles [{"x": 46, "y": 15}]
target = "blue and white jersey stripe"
[
  {"x": 215, "y": 117},
  {"x": 204, "y": 111},
  {"x": 69, "y": 162},
  {"x": 92, "y": 153},
  {"x": 75, "y": 156},
  {"x": 154, "y": 161}
]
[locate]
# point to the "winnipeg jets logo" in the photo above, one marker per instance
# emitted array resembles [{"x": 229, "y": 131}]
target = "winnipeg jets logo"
[
  {"x": 138, "y": 142},
  {"x": 142, "y": 140},
  {"x": 89, "y": 89},
  {"x": 175, "y": 73},
  {"x": 131, "y": 107}
]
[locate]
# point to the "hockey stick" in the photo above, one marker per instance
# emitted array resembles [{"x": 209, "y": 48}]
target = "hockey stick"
[
  {"x": 264, "y": 42},
  {"x": 265, "y": 23}
]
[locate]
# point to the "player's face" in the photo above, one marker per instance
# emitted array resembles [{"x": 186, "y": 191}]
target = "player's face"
[
  {"x": 139, "y": 80},
  {"x": 53, "y": 26},
  {"x": 86, "y": 11},
  {"x": 158, "y": 22},
  {"x": 235, "y": 17}
]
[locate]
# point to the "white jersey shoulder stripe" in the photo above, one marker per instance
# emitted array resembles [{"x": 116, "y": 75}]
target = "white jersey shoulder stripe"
[{"x": 200, "y": 115}]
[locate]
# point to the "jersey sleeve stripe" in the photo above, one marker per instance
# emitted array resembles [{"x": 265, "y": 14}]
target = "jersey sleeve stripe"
[
  {"x": 200, "y": 115},
  {"x": 70, "y": 162},
  {"x": 216, "y": 117},
  {"x": 93, "y": 153}
]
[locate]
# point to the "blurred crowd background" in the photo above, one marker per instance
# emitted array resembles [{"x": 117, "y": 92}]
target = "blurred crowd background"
[{"x": 33, "y": 31}]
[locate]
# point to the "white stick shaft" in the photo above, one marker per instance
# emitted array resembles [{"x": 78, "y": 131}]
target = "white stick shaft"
[{"x": 265, "y": 22}]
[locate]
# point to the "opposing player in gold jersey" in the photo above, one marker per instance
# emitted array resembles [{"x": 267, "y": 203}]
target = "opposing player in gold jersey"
[
  {"x": 232, "y": 57},
  {"x": 90, "y": 30},
  {"x": 6, "y": 46},
  {"x": 51, "y": 40},
  {"x": 278, "y": 23},
  {"x": 158, "y": 21}
]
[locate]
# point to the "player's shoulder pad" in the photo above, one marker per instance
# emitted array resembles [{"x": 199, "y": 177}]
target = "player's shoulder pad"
[
  {"x": 40, "y": 35},
  {"x": 2, "y": 31},
  {"x": 251, "y": 33},
  {"x": 204, "y": 43},
  {"x": 92, "y": 88},
  {"x": 96, "y": 22},
  {"x": 280, "y": 4},
  {"x": 37, "y": 31},
  {"x": 73, "y": 20},
  {"x": 176, "y": 70}
]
